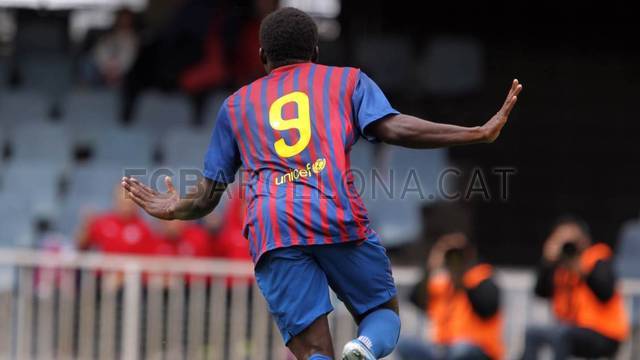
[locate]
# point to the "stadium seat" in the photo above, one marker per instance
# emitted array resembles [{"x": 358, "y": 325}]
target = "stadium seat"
[
  {"x": 16, "y": 221},
  {"x": 90, "y": 189},
  {"x": 423, "y": 166},
  {"x": 37, "y": 183},
  {"x": 397, "y": 221},
  {"x": 401, "y": 182},
  {"x": 3, "y": 144},
  {"x": 388, "y": 60},
  {"x": 159, "y": 111},
  {"x": 185, "y": 147},
  {"x": 47, "y": 72},
  {"x": 362, "y": 155},
  {"x": 77, "y": 207},
  {"x": 18, "y": 107},
  {"x": 451, "y": 66},
  {"x": 91, "y": 108},
  {"x": 212, "y": 109},
  {"x": 95, "y": 180},
  {"x": 42, "y": 142},
  {"x": 629, "y": 250},
  {"x": 89, "y": 114},
  {"x": 124, "y": 147}
]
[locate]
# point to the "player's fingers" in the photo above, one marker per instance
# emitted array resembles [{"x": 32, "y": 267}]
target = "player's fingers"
[
  {"x": 518, "y": 89},
  {"x": 143, "y": 187},
  {"x": 137, "y": 190},
  {"x": 140, "y": 188},
  {"x": 169, "y": 183},
  {"x": 512, "y": 89},
  {"x": 137, "y": 200},
  {"x": 511, "y": 100},
  {"x": 510, "y": 106}
]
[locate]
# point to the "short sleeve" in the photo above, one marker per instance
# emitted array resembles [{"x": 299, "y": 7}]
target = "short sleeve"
[
  {"x": 223, "y": 156},
  {"x": 369, "y": 104}
]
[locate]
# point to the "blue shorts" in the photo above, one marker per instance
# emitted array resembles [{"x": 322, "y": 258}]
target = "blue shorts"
[{"x": 295, "y": 281}]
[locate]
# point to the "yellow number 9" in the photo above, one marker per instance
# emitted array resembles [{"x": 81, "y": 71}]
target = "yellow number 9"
[{"x": 302, "y": 123}]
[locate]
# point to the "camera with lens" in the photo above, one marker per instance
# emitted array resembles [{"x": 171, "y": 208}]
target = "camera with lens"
[{"x": 569, "y": 250}]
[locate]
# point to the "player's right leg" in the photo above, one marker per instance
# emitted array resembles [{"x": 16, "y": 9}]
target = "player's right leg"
[
  {"x": 313, "y": 343},
  {"x": 297, "y": 292}
]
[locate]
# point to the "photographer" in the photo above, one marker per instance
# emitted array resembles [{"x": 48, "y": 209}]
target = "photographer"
[
  {"x": 461, "y": 299},
  {"x": 578, "y": 278}
]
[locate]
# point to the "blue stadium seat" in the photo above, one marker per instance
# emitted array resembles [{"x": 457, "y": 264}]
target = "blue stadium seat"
[
  {"x": 124, "y": 147},
  {"x": 95, "y": 180},
  {"x": 3, "y": 143},
  {"x": 629, "y": 250},
  {"x": 451, "y": 66},
  {"x": 18, "y": 107},
  {"x": 159, "y": 111},
  {"x": 212, "y": 109},
  {"x": 90, "y": 188},
  {"x": 76, "y": 208},
  {"x": 37, "y": 183},
  {"x": 47, "y": 72},
  {"x": 16, "y": 221},
  {"x": 399, "y": 183},
  {"x": 91, "y": 107},
  {"x": 89, "y": 114},
  {"x": 42, "y": 142},
  {"x": 388, "y": 60},
  {"x": 397, "y": 221},
  {"x": 185, "y": 147},
  {"x": 362, "y": 155},
  {"x": 423, "y": 166}
]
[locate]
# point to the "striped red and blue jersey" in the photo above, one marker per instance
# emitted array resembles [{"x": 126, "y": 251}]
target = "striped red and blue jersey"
[{"x": 291, "y": 132}]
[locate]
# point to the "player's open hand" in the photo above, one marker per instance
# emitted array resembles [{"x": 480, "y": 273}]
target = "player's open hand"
[
  {"x": 492, "y": 128},
  {"x": 160, "y": 205}
]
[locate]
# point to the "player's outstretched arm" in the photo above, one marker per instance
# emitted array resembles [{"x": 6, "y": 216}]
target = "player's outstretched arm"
[
  {"x": 170, "y": 205},
  {"x": 413, "y": 132}
]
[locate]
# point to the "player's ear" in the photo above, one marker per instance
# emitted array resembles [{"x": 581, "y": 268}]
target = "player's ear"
[
  {"x": 316, "y": 54},
  {"x": 263, "y": 56}
]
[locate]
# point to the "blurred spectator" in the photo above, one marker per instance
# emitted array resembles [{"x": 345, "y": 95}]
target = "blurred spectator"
[
  {"x": 226, "y": 232},
  {"x": 121, "y": 230},
  {"x": 113, "y": 53},
  {"x": 168, "y": 52},
  {"x": 461, "y": 299},
  {"x": 578, "y": 278},
  {"x": 209, "y": 72},
  {"x": 182, "y": 238},
  {"x": 246, "y": 65}
]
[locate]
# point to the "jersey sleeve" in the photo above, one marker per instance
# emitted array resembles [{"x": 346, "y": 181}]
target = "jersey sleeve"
[
  {"x": 369, "y": 104},
  {"x": 223, "y": 155}
]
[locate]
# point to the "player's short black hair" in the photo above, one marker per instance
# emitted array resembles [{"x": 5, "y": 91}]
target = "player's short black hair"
[{"x": 287, "y": 35}]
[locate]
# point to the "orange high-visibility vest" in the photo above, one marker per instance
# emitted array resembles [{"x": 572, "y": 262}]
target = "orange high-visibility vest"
[
  {"x": 453, "y": 318},
  {"x": 575, "y": 303}
]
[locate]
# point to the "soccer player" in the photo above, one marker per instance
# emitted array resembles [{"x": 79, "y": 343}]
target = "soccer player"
[{"x": 292, "y": 131}]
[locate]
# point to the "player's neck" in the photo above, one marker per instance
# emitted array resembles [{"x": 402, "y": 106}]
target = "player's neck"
[{"x": 285, "y": 65}]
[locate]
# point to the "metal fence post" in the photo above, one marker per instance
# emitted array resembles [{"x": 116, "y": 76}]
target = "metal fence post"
[{"x": 131, "y": 313}]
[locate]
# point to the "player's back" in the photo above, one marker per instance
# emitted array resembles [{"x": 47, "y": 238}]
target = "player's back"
[{"x": 293, "y": 130}]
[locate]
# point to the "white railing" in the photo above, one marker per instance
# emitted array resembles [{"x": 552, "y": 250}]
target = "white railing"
[{"x": 91, "y": 306}]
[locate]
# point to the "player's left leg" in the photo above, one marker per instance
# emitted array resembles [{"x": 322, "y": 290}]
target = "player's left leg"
[
  {"x": 378, "y": 332},
  {"x": 379, "y": 328},
  {"x": 360, "y": 274}
]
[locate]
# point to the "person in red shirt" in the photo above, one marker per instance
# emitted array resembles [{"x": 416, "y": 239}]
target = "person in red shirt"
[
  {"x": 119, "y": 231},
  {"x": 182, "y": 238},
  {"x": 232, "y": 243}
]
